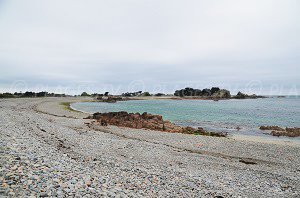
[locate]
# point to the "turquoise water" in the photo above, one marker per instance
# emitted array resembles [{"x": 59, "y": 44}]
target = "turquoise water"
[{"x": 224, "y": 115}]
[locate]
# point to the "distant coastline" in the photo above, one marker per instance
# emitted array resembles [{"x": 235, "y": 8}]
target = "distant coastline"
[{"x": 215, "y": 93}]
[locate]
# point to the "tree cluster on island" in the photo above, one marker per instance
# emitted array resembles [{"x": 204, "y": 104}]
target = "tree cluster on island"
[{"x": 213, "y": 93}]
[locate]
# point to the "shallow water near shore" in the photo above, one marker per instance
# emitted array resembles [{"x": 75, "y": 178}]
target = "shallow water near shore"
[{"x": 224, "y": 115}]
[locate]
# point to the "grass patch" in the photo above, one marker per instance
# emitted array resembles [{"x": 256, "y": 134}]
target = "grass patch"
[{"x": 67, "y": 106}]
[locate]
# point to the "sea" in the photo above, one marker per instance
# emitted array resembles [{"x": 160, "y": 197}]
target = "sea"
[{"x": 235, "y": 116}]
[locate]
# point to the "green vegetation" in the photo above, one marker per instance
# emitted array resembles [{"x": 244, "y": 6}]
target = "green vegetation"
[
  {"x": 146, "y": 94},
  {"x": 6, "y": 95},
  {"x": 85, "y": 94},
  {"x": 67, "y": 106},
  {"x": 30, "y": 94}
]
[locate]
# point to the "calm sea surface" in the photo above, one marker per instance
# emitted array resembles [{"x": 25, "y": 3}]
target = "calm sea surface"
[{"x": 223, "y": 115}]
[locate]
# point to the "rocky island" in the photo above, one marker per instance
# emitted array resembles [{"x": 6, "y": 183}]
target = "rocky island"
[{"x": 214, "y": 93}]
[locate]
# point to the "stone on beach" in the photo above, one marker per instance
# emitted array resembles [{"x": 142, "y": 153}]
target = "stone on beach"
[
  {"x": 276, "y": 128},
  {"x": 279, "y": 131},
  {"x": 289, "y": 132}
]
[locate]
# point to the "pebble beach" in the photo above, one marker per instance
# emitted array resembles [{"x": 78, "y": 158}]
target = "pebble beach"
[{"x": 48, "y": 150}]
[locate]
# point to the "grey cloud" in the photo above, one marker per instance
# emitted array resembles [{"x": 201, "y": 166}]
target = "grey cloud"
[{"x": 110, "y": 44}]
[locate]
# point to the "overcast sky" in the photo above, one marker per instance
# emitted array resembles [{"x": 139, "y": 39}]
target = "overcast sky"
[{"x": 150, "y": 45}]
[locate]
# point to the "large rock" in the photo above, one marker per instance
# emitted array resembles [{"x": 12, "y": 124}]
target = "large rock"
[
  {"x": 279, "y": 131},
  {"x": 146, "y": 121},
  {"x": 223, "y": 93},
  {"x": 214, "y": 90},
  {"x": 188, "y": 92},
  {"x": 198, "y": 92},
  {"x": 110, "y": 99},
  {"x": 289, "y": 132},
  {"x": 276, "y": 128},
  {"x": 241, "y": 95},
  {"x": 206, "y": 92}
]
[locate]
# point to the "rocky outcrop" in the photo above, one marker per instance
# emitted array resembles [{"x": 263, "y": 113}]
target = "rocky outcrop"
[
  {"x": 206, "y": 92},
  {"x": 214, "y": 92},
  {"x": 291, "y": 132},
  {"x": 223, "y": 93},
  {"x": 276, "y": 128},
  {"x": 110, "y": 99},
  {"x": 278, "y": 131},
  {"x": 188, "y": 92},
  {"x": 241, "y": 95},
  {"x": 146, "y": 121},
  {"x": 132, "y": 94},
  {"x": 159, "y": 94}
]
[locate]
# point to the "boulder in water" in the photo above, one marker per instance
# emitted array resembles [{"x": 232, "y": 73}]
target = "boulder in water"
[{"x": 278, "y": 131}]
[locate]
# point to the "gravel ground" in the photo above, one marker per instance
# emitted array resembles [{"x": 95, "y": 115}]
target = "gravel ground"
[{"x": 47, "y": 150}]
